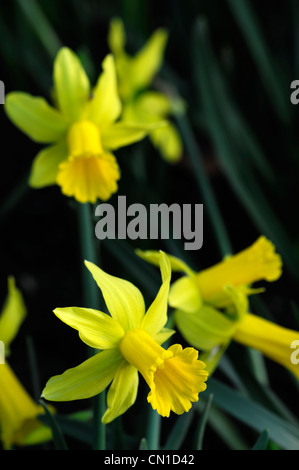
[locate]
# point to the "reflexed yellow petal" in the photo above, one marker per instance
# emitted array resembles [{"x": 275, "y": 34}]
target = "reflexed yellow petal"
[
  {"x": 167, "y": 140},
  {"x": 255, "y": 263},
  {"x": 116, "y": 36},
  {"x": 163, "y": 335},
  {"x": 148, "y": 60},
  {"x": 105, "y": 106},
  {"x": 125, "y": 133},
  {"x": 122, "y": 392},
  {"x": 72, "y": 86},
  {"x": 206, "y": 328},
  {"x": 176, "y": 264},
  {"x": 156, "y": 316},
  {"x": 35, "y": 117},
  {"x": 124, "y": 301},
  {"x": 95, "y": 328},
  {"x": 89, "y": 178},
  {"x": 274, "y": 341},
  {"x": 12, "y": 315},
  {"x": 184, "y": 294},
  {"x": 18, "y": 411},
  {"x": 153, "y": 105},
  {"x": 45, "y": 165},
  {"x": 86, "y": 380}
]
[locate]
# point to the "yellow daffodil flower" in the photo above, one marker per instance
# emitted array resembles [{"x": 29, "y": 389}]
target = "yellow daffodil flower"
[
  {"x": 83, "y": 130},
  {"x": 18, "y": 412},
  {"x": 129, "y": 341},
  {"x": 135, "y": 76},
  {"x": 211, "y": 307}
]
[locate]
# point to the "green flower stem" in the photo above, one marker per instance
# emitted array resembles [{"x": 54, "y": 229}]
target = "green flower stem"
[
  {"x": 92, "y": 299},
  {"x": 204, "y": 185}
]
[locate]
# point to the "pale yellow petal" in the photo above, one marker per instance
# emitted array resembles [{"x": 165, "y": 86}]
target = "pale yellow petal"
[
  {"x": 105, "y": 106},
  {"x": 35, "y": 117},
  {"x": 122, "y": 392},
  {"x": 97, "y": 329},
  {"x": 45, "y": 166},
  {"x": 86, "y": 380},
  {"x": 71, "y": 83},
  {"x": 156, "y": 316},
  {"x": 12, "y": 315},
  {"x": 124, "y": 301},
  {"x": 185, "y": 295}
]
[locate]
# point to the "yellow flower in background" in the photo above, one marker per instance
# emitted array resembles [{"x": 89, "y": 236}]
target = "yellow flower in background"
[
  {"x": 135, "y": 77},
  {"x": 211, "y": 307},
  {"x": 129, "y": 341},
  {"x": 18, "y": 412},
  {"x": 83, "y": 130}
]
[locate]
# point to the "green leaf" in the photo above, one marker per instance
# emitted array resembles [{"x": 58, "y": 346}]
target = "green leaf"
[
  {"x": 58, "y": 439},
  {"x": 200, "y": 430},
  {"x": 254, "y": 415},
  {"x": 240, "y": 177},
  {"x": 262, "y": 442},
  {"x": 269, "y": 72}
]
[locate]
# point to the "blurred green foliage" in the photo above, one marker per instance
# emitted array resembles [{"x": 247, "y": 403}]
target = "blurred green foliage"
[{"x": 232, "y": 62}]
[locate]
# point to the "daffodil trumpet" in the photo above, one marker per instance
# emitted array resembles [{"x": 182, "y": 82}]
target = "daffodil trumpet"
[
  {"x": 129, "y": 341},
  {"x": 211, "y": 307}
]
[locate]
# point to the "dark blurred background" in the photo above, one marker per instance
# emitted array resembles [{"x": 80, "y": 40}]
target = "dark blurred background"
[{"x": 233, "y": 63}]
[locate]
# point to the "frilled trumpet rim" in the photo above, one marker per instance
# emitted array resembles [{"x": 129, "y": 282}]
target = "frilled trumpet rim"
[{"x": 175, "y": 376}]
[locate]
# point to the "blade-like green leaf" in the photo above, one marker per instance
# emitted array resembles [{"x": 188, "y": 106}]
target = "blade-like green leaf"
[
  {"x": 269, "y": 72},
  {"x": 58, "y": 438},
  {"x": 257, "y": 417},
  {"x": 262, "y": 442}
]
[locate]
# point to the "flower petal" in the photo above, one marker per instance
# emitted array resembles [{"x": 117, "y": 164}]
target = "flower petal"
[
  {"x": 86, "y": 380},
  {"x": 125, "y": 133},
  {"x": 105, "y": 106},
  {"x": 156, "y": 316},
  {"x": 176, "y": 264},
  {"x": 124, "y": 301},
  {"x": 148, "y": 60},
  {"x": 184, "y": 294},
  {"x": 45, "y": 165},
  {"x": 122, "y": 392},
  {"x": 167, "y": 140},
  {"x": 95, "y": 328},
  {"x": 35, "y": 117},
  {"x": 71, "y": 83},
  {"x": 12, "y": 315},
  {"x": 206, "y": 328}
]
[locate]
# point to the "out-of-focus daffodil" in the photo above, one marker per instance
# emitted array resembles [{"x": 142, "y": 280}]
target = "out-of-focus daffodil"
[
  {"x": 83, "y": 130},
  {"x": 18, "y": 411},
  {"x": 129, "y": 341},
  {"x": 211, "y": 307},
  {"x": 135, "y": 76}
]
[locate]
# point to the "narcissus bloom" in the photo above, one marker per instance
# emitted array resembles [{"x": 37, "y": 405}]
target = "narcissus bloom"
[
  {"x": 83, "y": 130},
  {"x": 130, "y": 341},
  {"x": 140, "y": 102},
  {"x": 211, "y": 307},
  {"x": 18, "y": 411}
]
